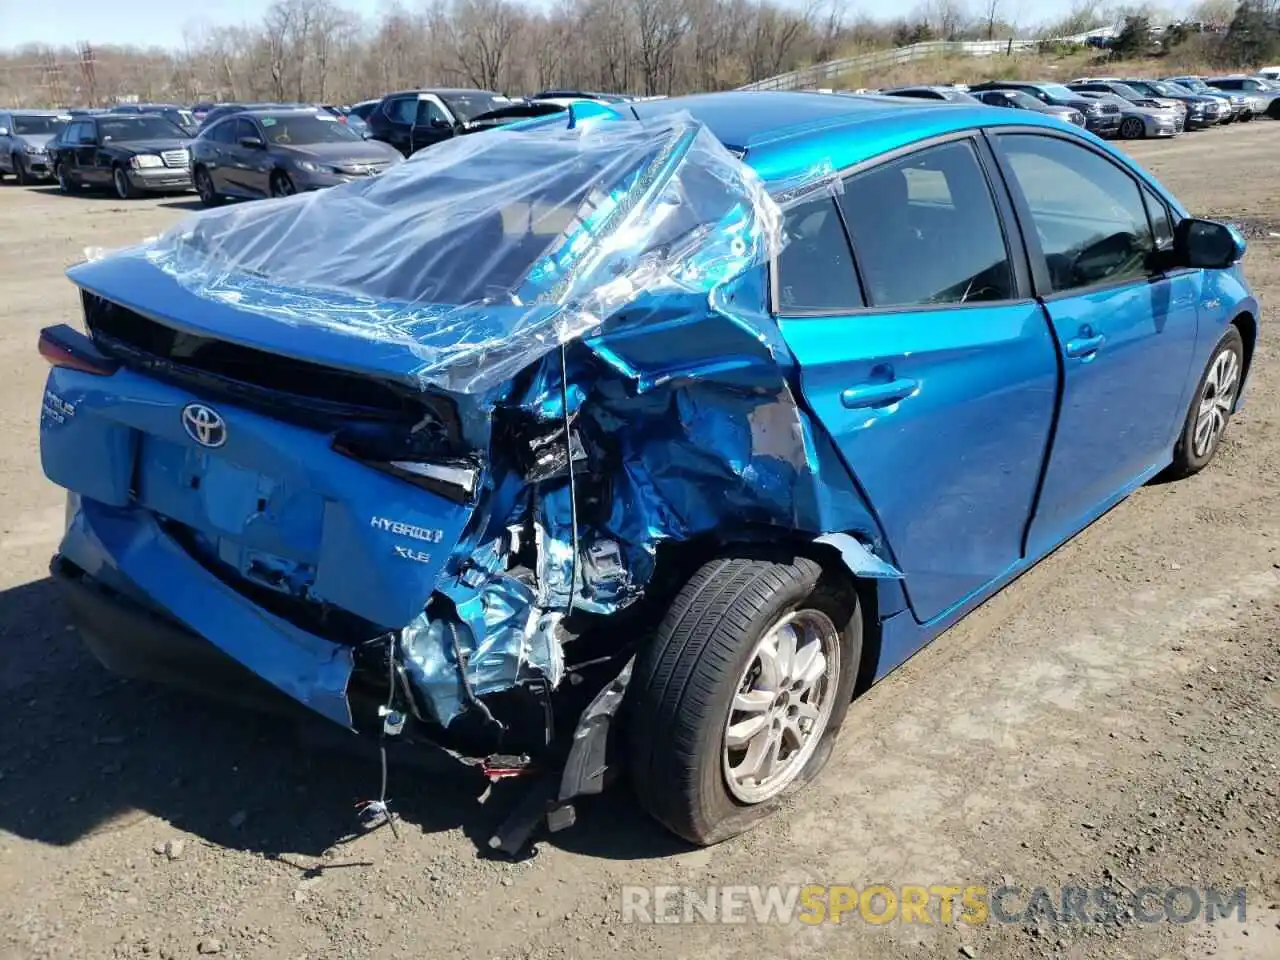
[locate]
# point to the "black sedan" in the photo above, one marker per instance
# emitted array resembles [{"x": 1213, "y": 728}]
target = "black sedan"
[
  {"x": 276, "y": 153},
  {"x": 130, "y": 154}
]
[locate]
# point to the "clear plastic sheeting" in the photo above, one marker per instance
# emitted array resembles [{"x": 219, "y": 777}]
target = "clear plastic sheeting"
[{"x": 483, "y": 253}]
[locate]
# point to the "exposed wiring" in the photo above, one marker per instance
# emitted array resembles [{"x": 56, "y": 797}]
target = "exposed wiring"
[
  {"x": 472, "y": 700},
  {"x": 392, "y": 720},
  {"x": 573, "y": 489}
]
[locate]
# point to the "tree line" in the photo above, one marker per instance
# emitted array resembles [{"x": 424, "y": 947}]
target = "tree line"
[{"x": 320, "y": 51}]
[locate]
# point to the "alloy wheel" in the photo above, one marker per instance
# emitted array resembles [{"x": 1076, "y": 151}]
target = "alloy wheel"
[
  {"x": 121, "y": 181},
  {"x": 1132, "y": 128},
  {"x": 1216, "y": 400},
  {"x": 282, "y": 186},
  {"x": 782, "y": 705}
]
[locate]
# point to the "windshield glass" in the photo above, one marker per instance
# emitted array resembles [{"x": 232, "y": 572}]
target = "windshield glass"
[
  {"x": 124, "y": 128},
  {"x": 298, "y": 129},
  {"x": 469, "y": 105},
  {"x": 1058, "y": 91},
  {"x": 1161, "y": 89},
  {"x": 1196, "y": 85},
  {"x": 183, "y": 118},
  {"x": 1124, "y": 90},
  {"x": 29, "y": 125},
  {"x": 1023, "y": 99}
]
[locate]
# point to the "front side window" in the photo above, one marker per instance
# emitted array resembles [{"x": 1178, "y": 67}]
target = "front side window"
[
  {"x": 1161, "y": 220},
  {"x": 926, "y": 231},
  {"x": 815, "y": 268},
  {"x": 429, "y": 113},
  {"x": 1087, "y": 211}
]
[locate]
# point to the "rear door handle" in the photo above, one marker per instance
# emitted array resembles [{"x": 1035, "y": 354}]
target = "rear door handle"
[
  {"x": 878, "y": 394},
  {"x": 1084, "y": 346}
]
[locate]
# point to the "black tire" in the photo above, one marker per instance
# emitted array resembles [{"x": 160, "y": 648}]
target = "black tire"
[
  {"x": 282, "y": 185},
  {"x": 204, "y": 187},
  {"x": 687, "y": 675},
  {"x": 1131, "y": 128},
  {"x": 1187, "y": 457},
  {"x": 123, "y": 186},
  {"x": 20, "y": 172},
  {"x": 65, "y": 184}
]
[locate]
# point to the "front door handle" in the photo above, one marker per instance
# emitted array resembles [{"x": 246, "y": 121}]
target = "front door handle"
[
  {"x": 1084, "y": 346},
  {"x": 878, "y": 394}
]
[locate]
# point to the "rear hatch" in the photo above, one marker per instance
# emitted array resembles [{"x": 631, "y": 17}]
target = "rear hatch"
[{"x": 297, "y": 392}]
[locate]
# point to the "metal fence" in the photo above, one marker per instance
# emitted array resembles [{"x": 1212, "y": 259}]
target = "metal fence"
[{"x": 823, "y": 74}]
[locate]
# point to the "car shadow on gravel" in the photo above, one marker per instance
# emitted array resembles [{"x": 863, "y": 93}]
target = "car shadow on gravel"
[
  {"x": 84, "y": 752},
  {"x": 184, "y": 203}
]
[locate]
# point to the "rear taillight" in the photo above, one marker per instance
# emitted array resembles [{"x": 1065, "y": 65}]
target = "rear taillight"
[
  {"x": 64, "y": 346},
  {"x": 454, "y": 478}
]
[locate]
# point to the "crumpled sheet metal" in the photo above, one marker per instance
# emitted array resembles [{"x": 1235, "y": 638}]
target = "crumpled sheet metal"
[{"x": 485, "y": 252}]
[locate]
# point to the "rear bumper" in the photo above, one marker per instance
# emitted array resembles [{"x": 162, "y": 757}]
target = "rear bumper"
[
  {"x": 146, "y": 608},
  {"x": 134, "y": 640}
]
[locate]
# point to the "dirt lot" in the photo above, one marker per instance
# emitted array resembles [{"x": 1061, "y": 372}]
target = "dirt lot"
[{"x": 1111, "y": 718}]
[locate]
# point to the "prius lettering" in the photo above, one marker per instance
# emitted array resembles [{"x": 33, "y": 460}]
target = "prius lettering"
[{"x": 401, "y": 529}]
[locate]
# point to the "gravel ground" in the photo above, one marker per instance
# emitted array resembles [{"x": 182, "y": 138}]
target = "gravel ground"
[{"x": 1110, "y": 718}]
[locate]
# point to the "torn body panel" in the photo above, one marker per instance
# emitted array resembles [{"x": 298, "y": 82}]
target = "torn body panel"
[{"x": 575, "y": 370}]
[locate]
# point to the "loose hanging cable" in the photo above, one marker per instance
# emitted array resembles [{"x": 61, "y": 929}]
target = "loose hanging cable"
[
  {"x": 392, "y": 721},
  {"x": 573, "y": 491}
]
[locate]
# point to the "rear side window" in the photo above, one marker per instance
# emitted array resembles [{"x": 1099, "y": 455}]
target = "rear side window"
[
  {"x": 1088, "y": 212},
  {"x": 403, "y": 109},
  {"x": 815, "y": 268},
  {"x": 926, "y": 232}
]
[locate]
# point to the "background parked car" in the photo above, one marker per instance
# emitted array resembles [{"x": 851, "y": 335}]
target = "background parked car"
[
  {"x": 122, "y": 152},
  {"x": 1100, "y": 118},
  {"x": 412, "y": 119},
  {"x": 1139, "y": 120},
  {"x": 1125, "y": 92},
  {"x": 938, "y": 92},
  {"x": 1020, "y": 100},
  {"x": 344, "y": 115},
  {"x": 1193, "y": 104},
  {"x": 1220, "y": 110},
  {"x": 24, "y": 142},
  {"x": 581, "y": 95},
  {"x": 1263, "y": 97},
  {"x": 179, "y": 116},
  {"x": 276, "y": 153}
]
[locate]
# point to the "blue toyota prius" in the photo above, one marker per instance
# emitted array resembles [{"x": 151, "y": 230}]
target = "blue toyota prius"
[{"x": 637, "y": 439}]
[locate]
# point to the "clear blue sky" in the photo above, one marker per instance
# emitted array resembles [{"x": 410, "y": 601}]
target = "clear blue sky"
[{"x": 162, "y": 22}]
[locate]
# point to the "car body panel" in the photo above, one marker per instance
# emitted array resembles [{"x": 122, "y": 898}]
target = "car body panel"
[
  {"x": 25, "y": 141},
  {"x": 723, "y": 423}
]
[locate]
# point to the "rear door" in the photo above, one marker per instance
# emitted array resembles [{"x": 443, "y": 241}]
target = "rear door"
[
  {"x": 92, "y": 162},
  {"x": 395, "y": 126},
  {"x": 1126, "y": 331},
  {"x": 930, "y": 364}
]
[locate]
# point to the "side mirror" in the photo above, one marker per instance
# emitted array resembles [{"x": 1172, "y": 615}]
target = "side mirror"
[
  {"x": 252, "y": 143},
  {"x": 1207, "y": 244},
  {"x": 441, "y": 124}
]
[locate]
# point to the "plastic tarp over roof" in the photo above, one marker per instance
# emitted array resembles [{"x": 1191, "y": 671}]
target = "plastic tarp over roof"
[{"x": 485, "y": 252}]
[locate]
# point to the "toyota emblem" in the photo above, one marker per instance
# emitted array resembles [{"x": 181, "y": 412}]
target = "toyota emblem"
[{"x": 204, "y": 425}]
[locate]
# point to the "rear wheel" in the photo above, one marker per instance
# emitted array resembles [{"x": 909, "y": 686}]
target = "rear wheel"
[
  {"x": 1131, "y": 128},
  {"x": 20, "y": 171},
  {"x": 737, "y": 699},
  {"x": 1211, "y": 407}
]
